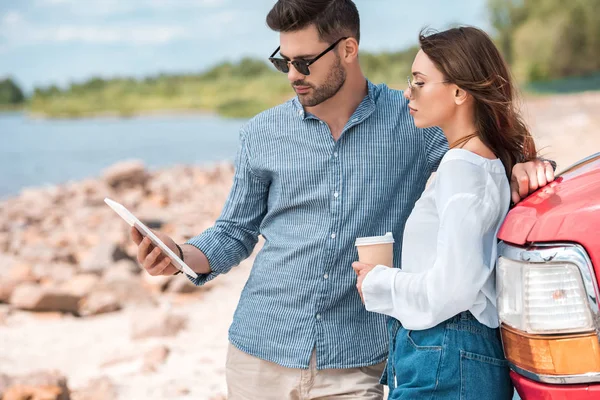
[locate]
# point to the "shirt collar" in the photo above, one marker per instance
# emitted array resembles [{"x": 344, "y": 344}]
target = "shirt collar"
[{"x": 365, "y": 108}]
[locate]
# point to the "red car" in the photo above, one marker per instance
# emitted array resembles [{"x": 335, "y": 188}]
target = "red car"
[{"x": 547, "y": 279}]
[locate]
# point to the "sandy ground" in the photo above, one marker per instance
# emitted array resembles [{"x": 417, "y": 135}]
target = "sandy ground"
[
  {"x": 80, "y": 348},
  {"x": 566, "y": 128}
]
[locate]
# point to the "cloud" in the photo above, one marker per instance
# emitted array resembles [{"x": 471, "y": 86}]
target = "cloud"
[
  {"x": 140, "y": 35},
  {"x": 136, "y": 35},
  {"x": 16, "y": 31},
  {"x": 12, "y": 18},
  {"x": 117, "y": 7}
]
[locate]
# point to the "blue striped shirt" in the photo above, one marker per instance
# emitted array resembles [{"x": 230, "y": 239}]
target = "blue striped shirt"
[{"x": 310, "y": 197}]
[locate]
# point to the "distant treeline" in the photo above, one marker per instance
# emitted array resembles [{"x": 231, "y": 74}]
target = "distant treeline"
[
  {"x": 552, "y": 46},
  {"x": 238, "y": 89}
]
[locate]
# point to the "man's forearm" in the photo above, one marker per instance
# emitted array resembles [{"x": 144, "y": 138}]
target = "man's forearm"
[{"x": 195, "y": 259}]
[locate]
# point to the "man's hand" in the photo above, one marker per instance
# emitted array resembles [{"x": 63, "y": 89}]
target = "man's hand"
[
  {"x": 529, "y": 177},
  {"x": 151, "y": 257},
  {"x": 361, "y": 270}
]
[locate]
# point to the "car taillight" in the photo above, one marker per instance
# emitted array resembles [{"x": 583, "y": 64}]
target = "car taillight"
[
  {"x": 567, "y": 355},
  {"x": 542, "y": 298},
  {"x": 547, "y": 298}
]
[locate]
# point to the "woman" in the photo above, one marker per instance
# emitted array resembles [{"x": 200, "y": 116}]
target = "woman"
[{"x": 445, "y": 341}]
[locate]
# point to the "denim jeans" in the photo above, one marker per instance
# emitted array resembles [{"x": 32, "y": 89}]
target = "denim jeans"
[{"x": 457, "y": 359}]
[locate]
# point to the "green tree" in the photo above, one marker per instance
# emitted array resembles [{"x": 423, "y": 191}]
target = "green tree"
[
  {"x": 10, "y": 93},
  {"x": 548, "y": 39},
  {"x": 505, "y": 16}
]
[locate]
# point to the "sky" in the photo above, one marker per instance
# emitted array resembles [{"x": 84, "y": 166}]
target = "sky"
[{"x": 44, "y": 42}]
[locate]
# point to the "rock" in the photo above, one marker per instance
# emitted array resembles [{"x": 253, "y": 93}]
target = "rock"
[
  {"x": 7, "y": 287},
  {"x": 81, "y": 285},
  {"x": 64, "y": 256},
  {"x": 181, "y": 284},
  {"x": 92, "y": 192},
  {"x": 159, "y": 200},
  {"x": 174, "y": 391},
  {"x": 5, "y": 382},
  {"x": 157, "y": 283},
  {"x": 133, "y": 198},
  {"x": 156, "y": 324},
  {"x": 7, "y": 262},
  {"x": 42, "y": 385},
  {"x": 22, "y": 273},
  {"x": 124, "y": 270},
  {"x": 98, "y": 302},
  {"x": 99, "y": 257},
  {"x": 22, "y": 392},
  {"x": 154, "y": 358},
  {"x": 152, "y": 222},
  {"x": 120, "y": 359},
  {"x": 131, "y": 292},
  {"x": 97, "y": 389},
  {"x": 40, "y": 253},
  {"x": 125, "y": 174},
  {"x": 4, "y": 313},
  {"x": 120, "y": 254},
  {"x": 33, "y": 297},
  {"x": 55, "y": 272},
  {"x": 4, "y": 241},
  {"x": 46, "y": 316}
]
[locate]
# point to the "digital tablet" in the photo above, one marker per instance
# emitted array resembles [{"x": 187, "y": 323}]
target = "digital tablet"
[{"x": 144, "y": 231}]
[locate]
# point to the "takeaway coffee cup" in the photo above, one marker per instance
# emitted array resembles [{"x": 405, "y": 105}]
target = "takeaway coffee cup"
[{"x": 378, "y": 250}]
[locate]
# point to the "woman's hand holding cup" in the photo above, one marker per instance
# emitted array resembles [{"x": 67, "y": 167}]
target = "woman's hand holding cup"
[{"x": 361, "y": 270}]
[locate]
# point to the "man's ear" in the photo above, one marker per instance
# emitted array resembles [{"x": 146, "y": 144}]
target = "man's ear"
[
  {"x": 350, "y": 49},
  {"x": 460, "y": 96}
]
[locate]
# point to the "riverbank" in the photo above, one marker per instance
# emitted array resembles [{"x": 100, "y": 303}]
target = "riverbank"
[
  {"x": 213, "y": 100},
  {"x": 229, "y": 90}
]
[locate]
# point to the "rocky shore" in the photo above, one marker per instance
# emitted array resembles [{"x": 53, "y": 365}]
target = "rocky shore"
[{"x": 78, "y": 319}]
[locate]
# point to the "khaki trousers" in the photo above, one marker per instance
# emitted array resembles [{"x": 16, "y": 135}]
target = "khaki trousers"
[{"x": 250, "y": 378}]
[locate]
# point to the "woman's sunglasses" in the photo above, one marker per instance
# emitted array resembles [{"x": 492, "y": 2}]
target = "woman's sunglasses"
[
  {"x": 301, "y": 66},
  {"x": 414, "y": 87}
]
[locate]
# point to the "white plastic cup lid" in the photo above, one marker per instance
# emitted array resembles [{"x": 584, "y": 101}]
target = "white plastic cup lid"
[{"x": 366, "y": 241}]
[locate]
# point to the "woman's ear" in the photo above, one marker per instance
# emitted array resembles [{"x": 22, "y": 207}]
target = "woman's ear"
[{"x": 460, "y": 96}]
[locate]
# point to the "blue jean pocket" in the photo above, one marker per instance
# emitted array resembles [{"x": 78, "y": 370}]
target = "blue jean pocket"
[
  {"x": 426, "y": 340},
  {"x": 484, "y": 374},
  {"x": 418, "y": 357}
]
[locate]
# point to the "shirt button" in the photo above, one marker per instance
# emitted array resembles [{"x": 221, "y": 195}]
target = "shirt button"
[
  {"x": 355, "y": 120},
  {"x": 336, "y": 195},
  {"x": 326, "y": 276},
  {"x": 335, "y": 154},
  {"x": 321, "y": 122},
  {"x": 333, "y": 235},
  {"x": 318, "y": 316}
]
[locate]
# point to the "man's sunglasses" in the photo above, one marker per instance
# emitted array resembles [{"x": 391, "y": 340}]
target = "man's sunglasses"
[{"x": 301, "y": 66}]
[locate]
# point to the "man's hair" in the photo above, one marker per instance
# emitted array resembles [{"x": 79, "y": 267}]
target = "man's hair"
[{"x": 332, "y": 18}]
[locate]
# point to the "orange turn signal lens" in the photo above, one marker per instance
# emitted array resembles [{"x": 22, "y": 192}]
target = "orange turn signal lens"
[{"x": 571, "y": 354}]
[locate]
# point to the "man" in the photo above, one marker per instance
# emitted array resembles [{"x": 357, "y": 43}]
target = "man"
[{"x": 341, "y": 160}]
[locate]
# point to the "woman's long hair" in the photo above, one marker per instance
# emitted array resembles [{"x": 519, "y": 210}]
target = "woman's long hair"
[{"x": 469, "y": 59}]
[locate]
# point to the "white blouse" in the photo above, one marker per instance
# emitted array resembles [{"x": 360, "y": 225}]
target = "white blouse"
[{"x": 449, "y": 247}]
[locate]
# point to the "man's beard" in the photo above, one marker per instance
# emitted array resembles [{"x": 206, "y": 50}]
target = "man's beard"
[{"x": 333, "y": 83}]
